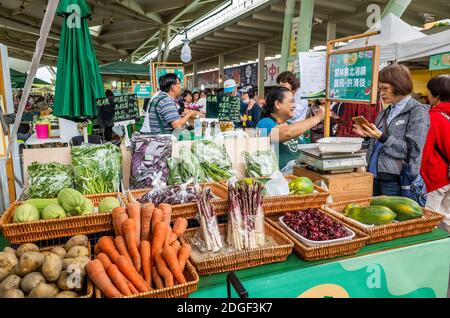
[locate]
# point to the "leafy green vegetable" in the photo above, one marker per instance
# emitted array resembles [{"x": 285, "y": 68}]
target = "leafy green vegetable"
[
  {"x": 174, "y": 171},
  {"x": 190, "y": 166},
  {"x": 97, "y": 168},
  {"x": 214, "y": 160},
  {"x": 261, "y": 163},
  {"x": 46, "y": 180}
]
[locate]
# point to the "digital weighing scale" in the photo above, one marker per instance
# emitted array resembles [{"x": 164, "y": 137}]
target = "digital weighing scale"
[{"x": 332, "y": 162}]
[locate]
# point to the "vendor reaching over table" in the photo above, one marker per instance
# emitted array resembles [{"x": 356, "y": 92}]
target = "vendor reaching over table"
[
  {"x": 162, "y": 115},
  {"x": 279, "y": 109}
]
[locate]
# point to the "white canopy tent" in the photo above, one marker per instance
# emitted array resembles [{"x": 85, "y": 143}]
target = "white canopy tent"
[
  {"x": 424, "y": 47},
  {"x": 393, "y": 32}
]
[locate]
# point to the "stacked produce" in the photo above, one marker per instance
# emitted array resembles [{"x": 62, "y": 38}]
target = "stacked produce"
[
  {"x": 97, "y": 168},
  {"x": 315, "y": 225},
  {"x": 185, "y": 168},
  {"x": 261, "y": 163},
  {"x": 301, "y": 185},
  {"x": 149, "y": 160},
  {"x": 47, "y": 179},
  {"x": 214, "y": 160},
  {"x": 246, "y": 217},
  {"x": 145, "y": 253},
  {"x": 384, "y": 210},
  {"x": 208, "y": 221},
  {"x": 59, "y": 272},
  {"x": 69, "y": 202},
  {"x": 178, "y": 194}
]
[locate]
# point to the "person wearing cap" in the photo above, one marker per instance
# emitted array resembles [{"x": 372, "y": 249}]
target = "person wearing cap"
[
  {"x": 230, "y": 87},
  {"x": 250, "y": 110}
]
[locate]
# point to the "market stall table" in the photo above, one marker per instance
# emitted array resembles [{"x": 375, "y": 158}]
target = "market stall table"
[
  {"x": 34, "y": 140},
  {"x": 416, "y": 266}
]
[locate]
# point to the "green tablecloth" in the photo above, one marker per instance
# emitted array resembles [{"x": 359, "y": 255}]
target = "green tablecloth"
[{"x": 272, "y": 280}]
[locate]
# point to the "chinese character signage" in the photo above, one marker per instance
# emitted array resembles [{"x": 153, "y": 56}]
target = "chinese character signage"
[
  {"x": 122, "y": 108},
  {"x": 142, "y": 90},
  {"x": 224, "y": 108},
  {"x": 353, "y": 75},
  {"x": 440, "y": 61}
]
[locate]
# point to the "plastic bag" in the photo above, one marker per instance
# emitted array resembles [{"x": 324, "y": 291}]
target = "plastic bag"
[
  {"x": 47, "y": 179},
  {"x": 261, "y": 163},
  {"x": 213, "y": 159},
  {"x": 174, "y": 171},
  {"x": 97, "y": 168},
  {"x": 190, "y": 166},
  {"x": 277, "y": 185},
  {"x": 149, "y": 156},
  {"x": 178, "y": 194}
]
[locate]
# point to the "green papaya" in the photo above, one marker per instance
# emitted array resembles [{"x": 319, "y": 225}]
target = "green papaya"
[
  {"x": 405, "y": 208},
  {"x": 377, "y": 215},
  {"x": 41, "y": 204},
  {"x": 72, "y": 201}
]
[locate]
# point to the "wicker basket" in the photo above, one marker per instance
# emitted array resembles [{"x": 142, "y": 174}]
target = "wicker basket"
[
  {"x": 241, "y": 259},
  {"x": 89, "y": 285},
  {"x": 309, "y": 253},
  {"x": 177, "y": 291},
  {"x": 387, "y": 232},
  {"x": 25, "y": 232},
  {"x": 190, "y": 210}
]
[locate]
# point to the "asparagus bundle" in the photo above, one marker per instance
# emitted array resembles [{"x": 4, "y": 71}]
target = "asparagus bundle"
[
  {"x": 246, "y": 217},
  {"x": 208, "y": 221}
]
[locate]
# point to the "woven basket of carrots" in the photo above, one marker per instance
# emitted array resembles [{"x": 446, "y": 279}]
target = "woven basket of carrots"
[{"x": 145, "y": 259}]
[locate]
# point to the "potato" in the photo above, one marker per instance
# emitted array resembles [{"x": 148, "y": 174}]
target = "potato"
[
  {"x": 66, "y": 294},
  {"x": 12, "y": 293},
  {"x": 70, "y": 281},
  {"x": 9, "y": 250},
  {"x": 59, "y": 250},
  {"x": 29, "y": 262},
  {"x": 31, "y": 280},
  {"x": 8, "y": 262},
  {"x": 10, "y": 282},
  {"x": 77, "y": 251},
  {"x": 25, "y": 248},
  {"x": 44, "y": 290},
  {"x": 51, "y": 268},
  {"x": 78, "y": 240},
  {"x": 80, "y": 261}
]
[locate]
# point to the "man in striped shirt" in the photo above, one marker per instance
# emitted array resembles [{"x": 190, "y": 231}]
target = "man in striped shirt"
[{"x": 162, "y": 114}]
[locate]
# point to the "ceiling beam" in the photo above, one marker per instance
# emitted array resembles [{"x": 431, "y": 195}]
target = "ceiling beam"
[
  {"x": 224, "y": 40},
  {"x": 248, "y": 31},
  {"x": 28, "y": 57},
  {"x": 268, "y": 17},
  {"x": 229, "y": 35},
  {"x": 187, "y": 8},
  {"x": 262, "y": 26},
  {"x": 337, "y": 5}
]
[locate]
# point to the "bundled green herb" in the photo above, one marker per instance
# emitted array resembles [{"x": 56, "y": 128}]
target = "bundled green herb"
[
  {"x": 174, "y": 171},
  {"x": 214, "y": 160},
  {"x": 97, "y": 168},
  {"x": 260, "y": 163},
  {"x": 190, "y": 166},
  {"x": 47, "y": 179}
]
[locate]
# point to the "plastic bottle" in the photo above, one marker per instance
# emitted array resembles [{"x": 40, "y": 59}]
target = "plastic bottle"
[{"x": 197, "y": 127}]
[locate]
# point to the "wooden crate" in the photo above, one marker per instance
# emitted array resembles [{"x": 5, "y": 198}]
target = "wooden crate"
[{"x": 342, "y": 186}]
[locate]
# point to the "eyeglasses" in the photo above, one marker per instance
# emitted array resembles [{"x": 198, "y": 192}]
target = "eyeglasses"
[{"x": 384, "y": 88}]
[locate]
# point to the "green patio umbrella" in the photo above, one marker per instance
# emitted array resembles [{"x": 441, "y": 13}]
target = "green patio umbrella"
[
  {"x": 78, "y": 80},
  {"x": 18, "y": 79}
]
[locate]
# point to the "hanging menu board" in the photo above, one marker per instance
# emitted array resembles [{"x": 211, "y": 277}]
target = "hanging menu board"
[
  {"x": 353, "y": 75},
  {"x": 163, "y": 70},
  {"x": 224, "y": 108},
  {"x": 125, "y": 107}
]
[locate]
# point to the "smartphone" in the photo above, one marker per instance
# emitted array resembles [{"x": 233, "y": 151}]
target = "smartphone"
[{"x": 360, "y": 120}]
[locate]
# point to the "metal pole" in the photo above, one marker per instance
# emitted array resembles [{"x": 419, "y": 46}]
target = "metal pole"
[
  {"x": 261, "y": 60},
  {"x": 166, "y": 46},
  {"x": 331, "y": 30},
  {"x": 305, "y": 26},
  {"x": 160, "y": 40},
  {"x": 397, "y": 7},
  {"x": 287, "y": 27},
  {"x": 221, "y": 70},
  {"x": 194, "y": 75}
]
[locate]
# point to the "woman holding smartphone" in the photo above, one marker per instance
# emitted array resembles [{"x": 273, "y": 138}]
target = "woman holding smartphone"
[{"x": 398, "y": 136}]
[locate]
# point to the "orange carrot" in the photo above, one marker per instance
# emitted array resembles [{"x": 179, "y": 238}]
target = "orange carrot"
[
  {"x": 121, "y": 246},
  {"x": 146, "y": 219},
  {"x": 172, "y": 262},
  {"x": 131, "y": 274},
  {"x": 159, "y": 236},
  {"x": 118, "y": 279},
  {"x": 129, "y": 229},
  {"x": 166, "y": 212},
  {"x": 156, "y": 278},
  {"x": 134, "y": 212},
  {"x": 97, "y": 249},
  {"x": 176, "y": 246},
  {"x": 119, "y": 215},
  {"x": 168, "y": 236},
  {"x": 132, "y": 288},
  {"x": 163, "y": 270},
  {"x": 98, "y": 276},
  {"x": 184, "y": 254},
  {"x": 145, "y": 251},
  {"x": 156, "y": 217},
  {"x": 106, "y": 244},
  {"x": 179, "y": 227},
  {"x": 102, "y": 257}
]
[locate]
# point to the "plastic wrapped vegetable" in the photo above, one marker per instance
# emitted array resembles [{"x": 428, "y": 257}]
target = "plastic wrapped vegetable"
[
  {"x": 174, "y": 171},
  {"x": 149, "y": 156},
  {"x": 260, "y": 163},
  {"x": 214, "y": 160},
  {"x": 190, "y": 166},
  {"x": 97, "y": 168},
  {"x": 47, "y": 179}
]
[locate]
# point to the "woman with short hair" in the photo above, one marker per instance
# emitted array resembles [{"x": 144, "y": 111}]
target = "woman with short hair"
[
  {"x": 398, "y": 135},
  {"x": 436, "y": 153}
]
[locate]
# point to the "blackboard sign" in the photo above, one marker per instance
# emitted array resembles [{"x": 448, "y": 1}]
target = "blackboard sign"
[
  {"x": 224, "y": 108},
  {"x": 125, "y": 107}
]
